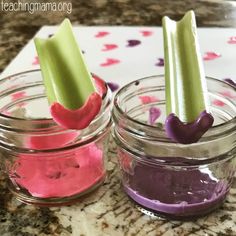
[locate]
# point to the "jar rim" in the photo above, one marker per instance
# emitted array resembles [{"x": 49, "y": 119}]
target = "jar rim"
[
  {"x": 226, "y": 125},
  {"x": 48, "y": 127}
]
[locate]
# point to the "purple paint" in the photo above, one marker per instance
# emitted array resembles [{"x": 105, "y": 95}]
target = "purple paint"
[
  {"x": 188, "y": 132},
  {"x": 113, "y": 86},
  {"x": 154, "y": 114},
  {"x": 230, "y": 81},
  {"x": 177, "y": 193},
  {"x": 161, "y": 62},
  {"x": 133, "y": 42}
]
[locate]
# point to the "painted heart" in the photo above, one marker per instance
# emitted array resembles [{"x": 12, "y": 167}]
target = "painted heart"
[
  {"x": 211, "y": 56},
  {"x": 36, "y": 61},
  {"x": 187, "y": 133},
  {"x": 146, "y": 33},
  {"x": 148, "y": 99},
  {"x": 113, "y": 86},
  {"x": 232, "y": 40},
  {"x": 218, "y": 103},
  {"x": 230, "y": 81},
  {"x": 227, "y": 94},
  {"x": 110, "y": 62},
  {"x": 108, "y": 47},
  {"x": 77, "y": 119},
  {"x": 133, "y": 43},
  {"x": 160, "y": 62},
  {"x": 18, "y": 95},
  {"x": 154, "y": 114},
  {"x": 101, "y": 34}
]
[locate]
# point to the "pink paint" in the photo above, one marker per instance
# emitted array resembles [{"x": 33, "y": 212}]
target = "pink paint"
[
  {"x": 101, "y": 34},
  {"x": 109, "y": 47},
  {"x": 148, "y": 99},
  {"x": 54, "y": 141},
  {"x": 218, "y": 103},
  {"x": 7, "y": 113},
  {"x": 211, "y": 56},
  {"x": 18, "y": 95},
  {"x": 227, "y": 94},
  {"x": 36, "y": 61},
  {"x": 110, "y": 62},
  {"x": 232, "y": 40},
  {"x": 79, "y": 118},
  {"x": 146, "y": 33},
  {"x": 60, "y": 176},
  {"x": 100, "y": 85}
]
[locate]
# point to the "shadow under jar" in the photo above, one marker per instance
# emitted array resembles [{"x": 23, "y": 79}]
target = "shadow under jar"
[
  {"x": 167, "y": 178},
  {"x": 45, "y": 163}
]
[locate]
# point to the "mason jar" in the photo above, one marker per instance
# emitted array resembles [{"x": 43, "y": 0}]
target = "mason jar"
[
  {"x": 166, "y": 178},
  {"x": 45, "y": 163}
]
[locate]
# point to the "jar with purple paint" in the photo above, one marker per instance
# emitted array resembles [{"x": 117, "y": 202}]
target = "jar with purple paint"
[{"x": 167, "y": 178}]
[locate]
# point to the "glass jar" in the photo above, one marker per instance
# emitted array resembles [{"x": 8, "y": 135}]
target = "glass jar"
[
  {"x": 167, "y": 178},
  {"x": 45, "y": 163}
]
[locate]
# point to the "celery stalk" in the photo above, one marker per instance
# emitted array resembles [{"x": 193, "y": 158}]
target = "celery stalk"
[
  {"x": 186, "y": 90},
  {"x": 66, "y": 77}
]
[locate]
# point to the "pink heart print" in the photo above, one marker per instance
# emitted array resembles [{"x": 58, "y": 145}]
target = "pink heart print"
[
  {"x": 18, "y": 95},
  {"x": 36, "y": 61},
  {"x": 108, "y": 47},
  {"x": 110, "y": 62},
  {"x": 218, "y": 103},
  {"x": 232, "y": 40},
  {"x": 148, "y": 99},
  {"x": 227, "y": 94},
  {"x": 211, "y": 56},
  {"x": 101, "y": 34},
  {"x": 146, "y": 33}
]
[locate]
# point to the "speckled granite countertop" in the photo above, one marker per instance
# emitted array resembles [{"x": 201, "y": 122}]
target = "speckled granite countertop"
[{"x": 108, "y": 211}]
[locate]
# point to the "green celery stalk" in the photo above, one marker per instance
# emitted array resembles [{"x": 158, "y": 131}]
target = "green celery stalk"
[
  {"x": 186, "y": 90},
  {"x": 65, "y": 75}
]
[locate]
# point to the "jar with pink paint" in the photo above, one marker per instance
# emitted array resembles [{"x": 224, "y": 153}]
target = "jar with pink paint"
[
  {"x": 47, "y": 164},
  {"x": 170, "y": 179}
]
